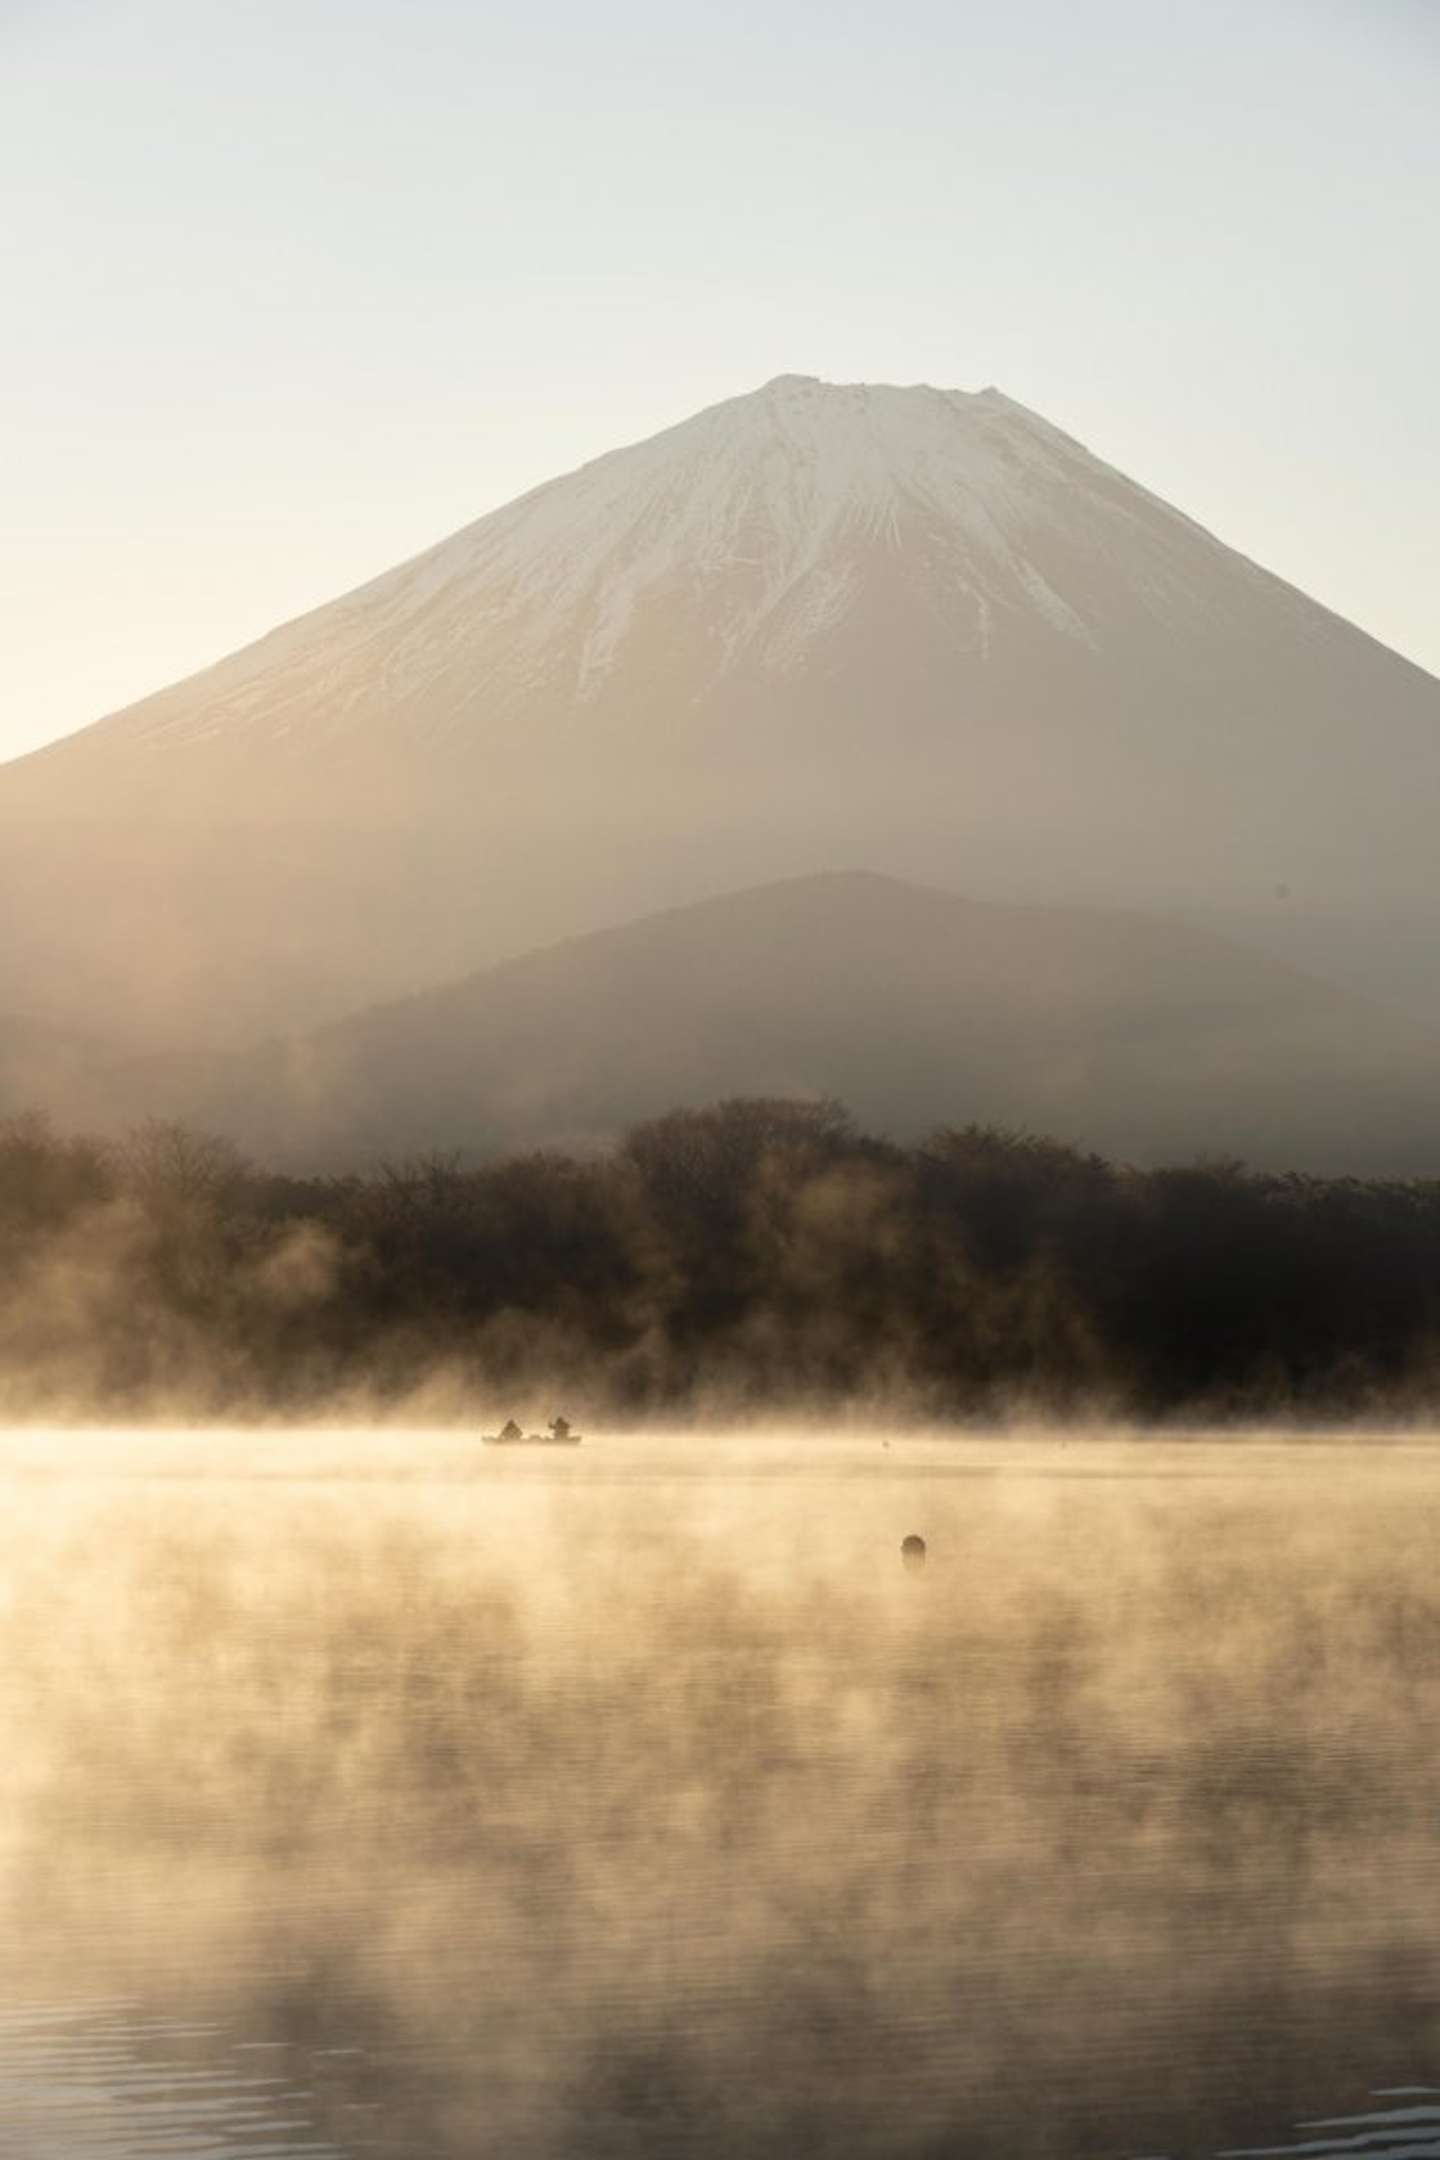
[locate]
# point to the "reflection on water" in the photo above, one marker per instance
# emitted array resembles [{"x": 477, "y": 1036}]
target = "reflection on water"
[{"x": 363, "y": 1794}]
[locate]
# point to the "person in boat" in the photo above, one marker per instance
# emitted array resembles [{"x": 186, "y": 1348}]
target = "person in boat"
[
  {"x": 559, "y": 1428},
  {"x": 510, "y": 1430}
]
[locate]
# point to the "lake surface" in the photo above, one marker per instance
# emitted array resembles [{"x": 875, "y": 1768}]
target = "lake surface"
[{"x": 369, "y": 1793}]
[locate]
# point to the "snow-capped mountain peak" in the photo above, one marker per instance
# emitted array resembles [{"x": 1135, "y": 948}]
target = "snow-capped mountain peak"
[
  {"x": 772, "y": 504},
  {"x": 750, "y": 531}
]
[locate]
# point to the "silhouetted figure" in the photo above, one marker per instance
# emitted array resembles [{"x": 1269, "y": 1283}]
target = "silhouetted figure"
[
  {"x": 559, "y": 1428},
  {"x": 912, "y": 1553},
  {"x": 511, "y": 1431}
]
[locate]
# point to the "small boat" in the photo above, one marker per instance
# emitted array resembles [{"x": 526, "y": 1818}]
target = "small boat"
[{"x": 559, "y": 1433}]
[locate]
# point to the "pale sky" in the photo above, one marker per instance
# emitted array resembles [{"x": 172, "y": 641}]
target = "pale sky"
[{"x": 292, "y": 288}]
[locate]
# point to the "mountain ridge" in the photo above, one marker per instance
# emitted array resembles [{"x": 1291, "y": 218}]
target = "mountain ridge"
[{"x": 1144, "y": 1039}]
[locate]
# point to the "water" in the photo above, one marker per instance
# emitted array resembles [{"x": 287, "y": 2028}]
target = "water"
[{"x": 369, "y": 1794}]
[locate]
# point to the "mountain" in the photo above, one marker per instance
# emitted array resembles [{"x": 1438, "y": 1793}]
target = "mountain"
[
  {"x": 918, "y": 629},
  {"x": 1146, "y": 1040}
]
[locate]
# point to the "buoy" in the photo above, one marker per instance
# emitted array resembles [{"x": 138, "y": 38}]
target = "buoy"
[{"x": 912, "y": 1552}]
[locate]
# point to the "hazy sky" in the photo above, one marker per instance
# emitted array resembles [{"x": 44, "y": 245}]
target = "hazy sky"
[{"x": 293, "y": 287}]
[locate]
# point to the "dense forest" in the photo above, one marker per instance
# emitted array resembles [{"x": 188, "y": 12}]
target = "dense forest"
[{"x": 754, "y": 1257}]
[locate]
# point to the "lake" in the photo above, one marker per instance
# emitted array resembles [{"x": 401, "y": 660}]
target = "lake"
[{"x": 372, "y": 1793}]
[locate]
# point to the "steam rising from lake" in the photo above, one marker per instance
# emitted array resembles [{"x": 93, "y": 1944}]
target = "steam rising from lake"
[{"x": 366, "y": 1793}]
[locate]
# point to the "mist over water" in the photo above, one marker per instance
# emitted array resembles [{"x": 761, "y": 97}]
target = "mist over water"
[{"x": 366, "y": 1793}]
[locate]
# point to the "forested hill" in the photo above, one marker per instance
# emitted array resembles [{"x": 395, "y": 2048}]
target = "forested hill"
[
  {"x": 757, "y": 1257},
  {"x": 1142, "y": 1037}
]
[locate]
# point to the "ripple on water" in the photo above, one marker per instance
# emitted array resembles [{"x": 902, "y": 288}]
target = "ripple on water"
[
  {"x": 102, "y": 2082},
  {"x": 1405, "y": 2133}
]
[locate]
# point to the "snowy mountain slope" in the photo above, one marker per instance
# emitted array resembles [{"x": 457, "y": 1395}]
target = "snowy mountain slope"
[
  {"x": 755, "y": 527},
  {"x": 817, "y": 625}
]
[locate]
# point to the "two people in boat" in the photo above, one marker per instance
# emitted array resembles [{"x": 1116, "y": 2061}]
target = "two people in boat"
[{"x": 559, "y": 1428}]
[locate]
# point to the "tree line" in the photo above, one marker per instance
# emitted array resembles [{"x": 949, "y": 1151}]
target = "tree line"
[{"x": 749, "y": 1258}]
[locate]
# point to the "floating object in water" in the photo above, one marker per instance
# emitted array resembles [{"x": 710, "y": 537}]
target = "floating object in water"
[
  {"x": 559, "y": 1433},
  {"x": 912, "y": 1552}
]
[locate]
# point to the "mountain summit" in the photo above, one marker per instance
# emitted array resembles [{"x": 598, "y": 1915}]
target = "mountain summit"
[
  {"x": 763, "y": 544},
  {"x": 817, "y": 625}
]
